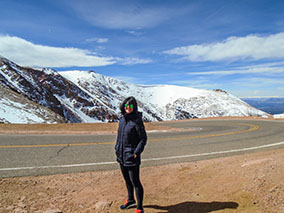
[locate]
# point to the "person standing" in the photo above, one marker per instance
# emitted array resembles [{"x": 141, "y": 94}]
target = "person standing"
[{"x": 130, "y": 143}]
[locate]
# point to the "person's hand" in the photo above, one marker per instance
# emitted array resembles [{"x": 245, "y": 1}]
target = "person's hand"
[{"x": 135, "y": 156}]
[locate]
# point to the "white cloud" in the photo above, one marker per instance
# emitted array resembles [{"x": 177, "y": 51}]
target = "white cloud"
[
  {"x": 243, "y": 70},
  {"x": 135, "y": 32},
  {"x": 133, "y": 61},
  {"x": 98, "y": 40},
  {"x": 235, "y": 48},
  {"x": 255, "y": 82},
  {"x": 121, "y": 14},
  {"x": 26, "y": 53},
  {"x": 269, "y": 68}
]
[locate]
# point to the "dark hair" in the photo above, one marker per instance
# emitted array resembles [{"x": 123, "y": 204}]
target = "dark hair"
[{"x": 129, "y": 100}]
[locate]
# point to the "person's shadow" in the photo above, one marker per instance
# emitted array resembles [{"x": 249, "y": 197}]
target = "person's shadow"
[{"x": 194, "y": 207}]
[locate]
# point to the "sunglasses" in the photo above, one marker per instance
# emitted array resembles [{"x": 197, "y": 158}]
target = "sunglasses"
[{"x": 128, "y": 105}]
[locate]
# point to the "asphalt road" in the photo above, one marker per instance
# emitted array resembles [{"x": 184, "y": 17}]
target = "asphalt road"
[{"x": 31, "y": 155}]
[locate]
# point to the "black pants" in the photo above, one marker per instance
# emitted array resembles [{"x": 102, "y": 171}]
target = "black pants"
[{"x": 132, "y": 180}]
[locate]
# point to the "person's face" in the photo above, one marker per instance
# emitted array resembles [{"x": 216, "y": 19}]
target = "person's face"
[{"x": 128, "y": 108}]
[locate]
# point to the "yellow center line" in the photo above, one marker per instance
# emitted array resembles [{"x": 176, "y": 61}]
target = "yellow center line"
[
  {"x": 252, "y": 128},
  {"x": 55, "y": 145}
]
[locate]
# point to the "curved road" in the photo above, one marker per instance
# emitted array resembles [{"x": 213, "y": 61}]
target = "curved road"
[{"x": 24, "y": 155}]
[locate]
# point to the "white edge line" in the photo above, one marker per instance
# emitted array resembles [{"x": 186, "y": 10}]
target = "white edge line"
[{"x": 150, "y": 159}]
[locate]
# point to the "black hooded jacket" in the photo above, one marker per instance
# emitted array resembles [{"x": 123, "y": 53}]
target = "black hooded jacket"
[{"x": 131, "y": 139}]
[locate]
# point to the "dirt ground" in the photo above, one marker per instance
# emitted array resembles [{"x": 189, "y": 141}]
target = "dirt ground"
[{"x": 244, "y": 183}]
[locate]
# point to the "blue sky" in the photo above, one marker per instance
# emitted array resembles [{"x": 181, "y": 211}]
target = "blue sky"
[{"x": 234, "y": 45}]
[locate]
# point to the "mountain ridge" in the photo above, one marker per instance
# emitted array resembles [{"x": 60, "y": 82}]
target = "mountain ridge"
[{"x": 87, "y": 96}]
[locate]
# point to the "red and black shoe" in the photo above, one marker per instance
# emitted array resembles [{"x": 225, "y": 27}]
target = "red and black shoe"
[
  {"x": 139, "y": 211},
  {"x": 128, "y": 204}
]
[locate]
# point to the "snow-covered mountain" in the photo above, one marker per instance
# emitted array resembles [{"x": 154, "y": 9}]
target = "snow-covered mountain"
[
  {"x": 48, "y": 88},
  {"x": 279, "y": 116},
  {"x": 162, "y": 102},
  {"x": 15, "y": 108},
  {"x": 81, "y": 96}
]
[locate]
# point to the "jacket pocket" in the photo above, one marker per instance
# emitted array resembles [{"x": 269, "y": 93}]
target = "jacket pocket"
[
  {"x": 129, "y": 159},
  {"x": 129, "y": 153}
]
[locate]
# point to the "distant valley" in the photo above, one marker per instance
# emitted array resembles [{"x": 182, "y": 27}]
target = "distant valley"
[{"x": 270, "y": 105}]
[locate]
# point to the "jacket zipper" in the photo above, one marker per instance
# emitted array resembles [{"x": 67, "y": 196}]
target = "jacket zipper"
[{"x": 121, "y": 140}]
